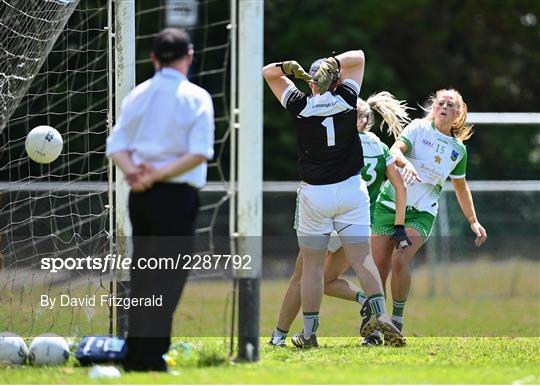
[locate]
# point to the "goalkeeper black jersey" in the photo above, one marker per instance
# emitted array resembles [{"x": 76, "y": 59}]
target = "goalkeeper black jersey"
[{"x": 329, "y": 148}]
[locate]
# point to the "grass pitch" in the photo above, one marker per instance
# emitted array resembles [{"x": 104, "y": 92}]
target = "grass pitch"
[
  {"x": 338, "y": 360},
  {"x": 483, "y": 298},
  {"x": 483, "y": 328}
]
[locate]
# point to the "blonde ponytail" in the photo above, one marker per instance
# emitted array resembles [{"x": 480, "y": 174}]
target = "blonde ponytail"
[{"x": 392, "y": 111}]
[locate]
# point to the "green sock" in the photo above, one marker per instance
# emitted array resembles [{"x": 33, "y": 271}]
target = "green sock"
[
  {"x": 360, "y": 297},
  {"x": 397, "y": 307}
]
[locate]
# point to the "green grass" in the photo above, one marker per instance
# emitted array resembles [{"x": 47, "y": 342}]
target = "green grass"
[
  {"x": 338, "y": 360},
  {"x": 483, "y": 298},
  {"x": 483, "y": 328}
]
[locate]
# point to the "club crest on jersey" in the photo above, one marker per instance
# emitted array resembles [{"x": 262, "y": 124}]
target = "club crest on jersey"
[{"x": 454, "y": 156}]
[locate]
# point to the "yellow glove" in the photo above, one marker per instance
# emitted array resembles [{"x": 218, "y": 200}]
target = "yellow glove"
[
  {"x": 327, "y": 74},
  {"x": 291, "y": 67}
]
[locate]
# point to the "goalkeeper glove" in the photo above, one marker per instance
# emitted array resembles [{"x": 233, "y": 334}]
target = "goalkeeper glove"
[
  {"x": 400, "y": 237},
  {"x": 292, "y": 67},
  {"x": 327, "y": 74}
]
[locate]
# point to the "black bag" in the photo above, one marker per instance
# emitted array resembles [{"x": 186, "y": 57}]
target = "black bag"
[{"x": 101, "y": 349}]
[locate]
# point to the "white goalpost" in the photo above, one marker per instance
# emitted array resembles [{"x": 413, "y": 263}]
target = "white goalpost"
[
  {"x": 124, "y": 81},
  {"x": 250, "y": 155}
]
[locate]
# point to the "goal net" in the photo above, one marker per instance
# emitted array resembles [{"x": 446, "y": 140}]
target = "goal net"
[
  {"x": 205, "y": 306},
  {"x": 55, "y": 71},
  {"x": 28, "y": 30},
  {"x": 56, "y": 210}
]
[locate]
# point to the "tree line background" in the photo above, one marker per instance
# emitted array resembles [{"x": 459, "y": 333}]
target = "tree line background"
[{"x": 489, "y": 50}]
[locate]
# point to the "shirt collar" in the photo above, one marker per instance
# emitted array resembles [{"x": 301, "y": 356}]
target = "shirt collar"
[
  {"x": 168, "y": 72},
  {"x": 440, "y": 132}
]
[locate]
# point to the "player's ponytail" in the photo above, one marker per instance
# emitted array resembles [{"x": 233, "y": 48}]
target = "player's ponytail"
[
  {"x": 392, "y": 111},
  {"x": 460, "y": 129}
]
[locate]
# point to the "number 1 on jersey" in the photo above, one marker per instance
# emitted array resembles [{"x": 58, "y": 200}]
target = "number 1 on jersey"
[{"x": 328, "y": 123}]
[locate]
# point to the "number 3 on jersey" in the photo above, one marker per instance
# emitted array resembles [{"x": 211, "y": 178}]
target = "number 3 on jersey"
[
  {"x": 328, "y": 123},
  {"x": 369, "y": 174}
]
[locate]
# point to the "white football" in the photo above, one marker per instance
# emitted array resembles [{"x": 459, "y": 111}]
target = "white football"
[
  {"x": 13, "y": 350},
  {"x": 43, "y": 144},
  {"x": 48, "y": 349}
]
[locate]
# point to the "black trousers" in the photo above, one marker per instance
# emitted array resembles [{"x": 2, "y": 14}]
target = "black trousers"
[{"x": 163, "y": 222}]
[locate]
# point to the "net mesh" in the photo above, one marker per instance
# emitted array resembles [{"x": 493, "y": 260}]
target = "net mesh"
[
  {"x": 28, "y": 30},
  {"x": 57, "y": 209},
  {"x": 61, "y": 210},
  {"x": 205, "y": 304}
]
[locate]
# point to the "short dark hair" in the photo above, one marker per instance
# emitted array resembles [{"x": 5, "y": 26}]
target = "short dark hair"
[{"x": 171, "y": 44}]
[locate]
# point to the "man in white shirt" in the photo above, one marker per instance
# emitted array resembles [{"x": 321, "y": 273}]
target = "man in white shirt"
[{"x": 162, "y": 140}]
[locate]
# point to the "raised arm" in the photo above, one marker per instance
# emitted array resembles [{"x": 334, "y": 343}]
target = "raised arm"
[
  {"x": 275, "y": 75},
  {"x": 276, "y": 79},
  {"x": 352, "y": 65},
  {"x": 348, "y": 65},
  {"x": 465, "y": 200}
]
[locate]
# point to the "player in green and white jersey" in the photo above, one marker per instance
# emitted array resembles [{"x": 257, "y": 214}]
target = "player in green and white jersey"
[
  {"x": 379, "y": 164},
  {"x": 377, "y": 158},
  {"x": 429, "y": 151}
]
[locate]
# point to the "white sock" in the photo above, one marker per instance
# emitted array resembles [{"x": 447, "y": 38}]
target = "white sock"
[
  {"x": 397, "y": 319},
  {"x": 377, "y": 304},
  {"x": 361, "y": 297},
  {"x": 278, "y": 335},
  {"x": 311, "y": 323}
]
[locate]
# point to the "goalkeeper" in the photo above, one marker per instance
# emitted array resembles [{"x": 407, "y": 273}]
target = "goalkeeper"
[{"x": 332, "y": 194}]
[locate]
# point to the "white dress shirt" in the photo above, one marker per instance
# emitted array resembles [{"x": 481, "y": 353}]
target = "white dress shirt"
[{"x": 164, "y": 118}]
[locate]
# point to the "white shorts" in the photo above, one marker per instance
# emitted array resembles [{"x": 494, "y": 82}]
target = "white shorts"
[{"x": 319, "y": 206}]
